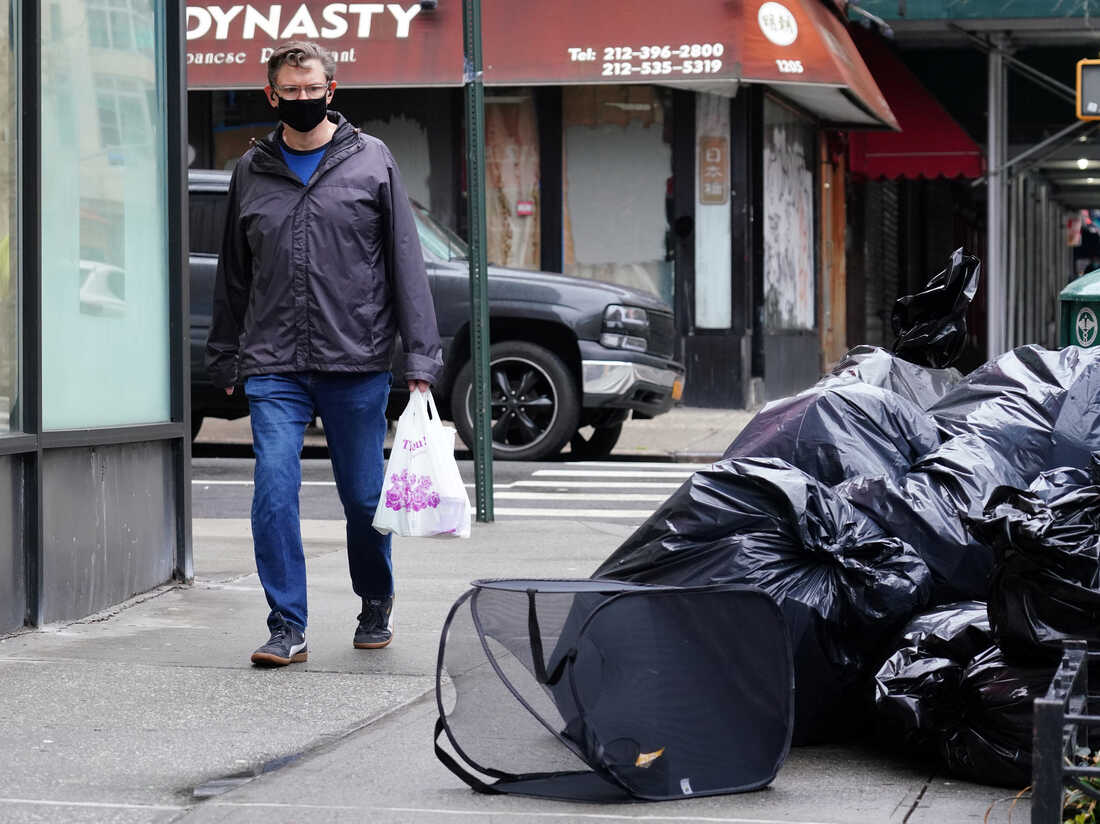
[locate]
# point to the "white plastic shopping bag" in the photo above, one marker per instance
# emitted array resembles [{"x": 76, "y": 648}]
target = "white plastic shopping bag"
[{"x": 422, "y": 492}]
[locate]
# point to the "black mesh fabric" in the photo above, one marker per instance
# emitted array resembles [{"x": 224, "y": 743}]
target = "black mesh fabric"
[{"x": 606, "y": 691}]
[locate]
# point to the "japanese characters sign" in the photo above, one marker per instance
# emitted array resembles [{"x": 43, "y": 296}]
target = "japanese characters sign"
[{"x": 714, "y": 180}]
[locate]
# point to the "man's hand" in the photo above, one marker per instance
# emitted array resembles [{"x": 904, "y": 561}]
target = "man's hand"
[
  {"x": 419, "y": 386},
  {"x": 229, "y": 390}
]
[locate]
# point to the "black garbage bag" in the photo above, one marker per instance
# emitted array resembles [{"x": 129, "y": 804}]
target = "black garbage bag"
[
  {"x": 836, "y": 432},
  {"x": 916, "y": 689},
  {"x": 1054, "y": 481},
  {"x": 1038, "y": 409},
  {"x": 941, "y": 694},
  {"x": 1045, "y": 587},
  {"x": 991, "y": 742},
  {"x": 931, "y": 325},
  {"x": 877, "y": 367},
  {"x": 844, "y": 585},
  {"x": 927, "y": 507},
  {"x": 1077, "y": 428}
]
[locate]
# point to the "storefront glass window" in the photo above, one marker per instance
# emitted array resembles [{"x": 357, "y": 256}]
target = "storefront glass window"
[
  {"x": 239, "y": 117},
  {"x": 789, "y": 279},
  {"x": 618, "y": 180},
  {"x": 9, "y": 269},
  {"x": 407, "y": 139},
  {"x": 414, "y": 123},
  {"x": 105, "y": 305}
]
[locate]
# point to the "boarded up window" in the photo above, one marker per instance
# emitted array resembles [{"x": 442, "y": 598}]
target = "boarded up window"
[
  {"x": 618, "y": 167},
  {"x": 512, "y": 179},
  {"x": 789, "y": 236}
]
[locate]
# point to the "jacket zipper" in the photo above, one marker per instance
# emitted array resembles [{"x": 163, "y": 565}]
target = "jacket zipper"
[{"x": 279, "y": 168}]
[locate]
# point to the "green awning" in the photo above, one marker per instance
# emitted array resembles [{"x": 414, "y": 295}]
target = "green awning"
[{"x": 891, "y": 10}]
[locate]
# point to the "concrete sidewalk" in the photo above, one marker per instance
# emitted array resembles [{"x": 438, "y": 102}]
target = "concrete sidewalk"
[
  {"x": 152, "y": 713},
  {"x": 682, "y": 434}
]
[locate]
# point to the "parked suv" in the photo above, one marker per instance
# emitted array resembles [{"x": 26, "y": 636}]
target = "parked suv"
[{"x": 566, "y": 353}]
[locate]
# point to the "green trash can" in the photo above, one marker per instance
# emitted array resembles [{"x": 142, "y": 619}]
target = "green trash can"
[{"x": 1080, "y": 317}]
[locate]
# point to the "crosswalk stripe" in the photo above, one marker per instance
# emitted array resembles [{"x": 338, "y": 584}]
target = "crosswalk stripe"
[
  {"x": 579, "y": 496},
  {"x": 581, "y": 473},
  {"x": 565, "y": 484},
  {"x": 525, "y": 512},
  {"x": 693, "y": 467},
  {"x": 245, "y": 482}
]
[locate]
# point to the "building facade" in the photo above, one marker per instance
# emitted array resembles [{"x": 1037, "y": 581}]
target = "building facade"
[
  {"x": 680, "y": 149},
  {"x": 94, "y": 453}
]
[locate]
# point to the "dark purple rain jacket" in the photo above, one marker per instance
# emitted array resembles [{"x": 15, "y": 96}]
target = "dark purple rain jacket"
[{"x": 319, "y": 276}]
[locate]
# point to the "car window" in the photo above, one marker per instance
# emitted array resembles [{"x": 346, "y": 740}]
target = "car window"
[
  {"x": 207, "y": 223},
  {"x": 438, "y": 241}
]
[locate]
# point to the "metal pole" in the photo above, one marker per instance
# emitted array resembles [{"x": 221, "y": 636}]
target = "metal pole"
[
  {"x": 995, "y": 203},
  {"x": 1051, "y": 144},
  {"x": 1013, "y": 264},
  {"x": 175, "y": 28},
  {"x": 1032, "y": 73},
  {"x": 1036, "y": 294},
  {"x": 30, "y": 285},
  {"x": 1046, "y": 761},
  {"x": 479, "y": 281}
]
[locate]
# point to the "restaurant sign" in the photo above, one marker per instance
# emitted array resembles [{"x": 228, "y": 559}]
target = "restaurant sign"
[
  {"x": 527, "y": 42},
  {"x": 401, "y": 44},
  {"x": 375, "y": 44}
]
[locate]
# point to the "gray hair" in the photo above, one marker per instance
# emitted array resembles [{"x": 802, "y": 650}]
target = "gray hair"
[{"x": 296, "y": 52}]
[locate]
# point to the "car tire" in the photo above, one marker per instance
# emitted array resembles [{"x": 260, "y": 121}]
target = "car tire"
[
  {"x": 598, "y": 445},
  {"x": 533, "y": 402}
]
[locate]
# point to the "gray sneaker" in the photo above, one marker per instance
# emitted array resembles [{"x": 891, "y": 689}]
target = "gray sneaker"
[
  {"x": 375, "y": 628},
  {"x": 287, "y": 645}
]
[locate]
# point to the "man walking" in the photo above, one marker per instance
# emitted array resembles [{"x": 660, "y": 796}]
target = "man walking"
[{"x": 320, "y": 266}]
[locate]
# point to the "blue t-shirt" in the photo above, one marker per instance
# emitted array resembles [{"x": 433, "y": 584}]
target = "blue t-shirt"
[{"x": 303, "y": 164}]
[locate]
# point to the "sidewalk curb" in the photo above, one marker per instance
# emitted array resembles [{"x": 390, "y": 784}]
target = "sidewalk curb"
[{"x": 694, "y": 457}]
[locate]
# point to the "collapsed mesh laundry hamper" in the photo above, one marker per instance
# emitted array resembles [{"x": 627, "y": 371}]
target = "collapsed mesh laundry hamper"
[{"x": 611, "y": 691}]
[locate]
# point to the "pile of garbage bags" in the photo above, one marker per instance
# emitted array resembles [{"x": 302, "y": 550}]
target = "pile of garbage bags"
[{"x": 931, "y": 538}]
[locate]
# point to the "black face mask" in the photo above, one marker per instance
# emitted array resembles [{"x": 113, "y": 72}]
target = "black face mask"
[{"x": 303, "y": 115}]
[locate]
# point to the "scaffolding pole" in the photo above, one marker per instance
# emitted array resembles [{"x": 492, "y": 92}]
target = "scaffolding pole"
[{"x": 996, "y": 230}]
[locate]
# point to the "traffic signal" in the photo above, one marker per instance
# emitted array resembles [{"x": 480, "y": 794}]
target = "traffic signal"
[{"x": 1088, "y": 89}]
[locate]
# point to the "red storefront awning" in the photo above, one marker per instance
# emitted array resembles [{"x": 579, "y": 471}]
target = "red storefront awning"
[
  {"x": 930, "y": 144},
  {"x": 821, "y": 69},
  {"x": 800, "y": 45}
]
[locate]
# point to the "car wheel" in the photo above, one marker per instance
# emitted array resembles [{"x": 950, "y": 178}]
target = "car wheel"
[
  {"x": 532, "y": 397},
  {"x": 196, "y": 425},
  {"x": 598, "y": 445}
]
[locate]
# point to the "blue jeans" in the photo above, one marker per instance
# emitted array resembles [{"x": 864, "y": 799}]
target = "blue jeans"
[{"x": 352, "y": 408}]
